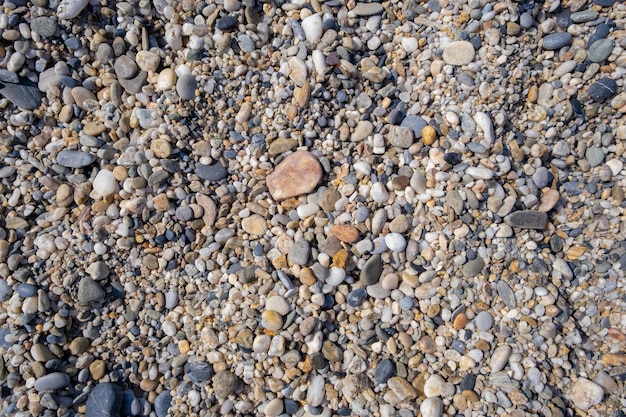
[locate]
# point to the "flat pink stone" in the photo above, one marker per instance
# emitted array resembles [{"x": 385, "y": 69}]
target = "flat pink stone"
[{"x": 297, "y": 174}]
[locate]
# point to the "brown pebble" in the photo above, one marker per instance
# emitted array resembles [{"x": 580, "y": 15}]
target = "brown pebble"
[
  {"x": 460, "y": 321},
  {"x": 64, "y": 195},
  {"x": 297, "y": 174},
  {"x": 345, "y": 233}
]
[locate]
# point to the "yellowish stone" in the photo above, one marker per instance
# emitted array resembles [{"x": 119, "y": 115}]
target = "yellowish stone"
[{"x": 429, "y": 135}]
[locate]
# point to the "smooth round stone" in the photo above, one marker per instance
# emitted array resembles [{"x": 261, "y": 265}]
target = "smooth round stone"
[
  {"x": 316, "y": 391},
  {"x": 52, "y": 382},
  {"x": 395, "y": 242},
  {"x": 271, "y": 320},
  {"x": 473, "y": 267},
  {"x": 336, "y": 276},
  {"x": 367, "y": 9},
  {"x": 301, "y": 165},
  {"x": 69, "y": 9},
  {"x": 274, "y": 408},
  {"x": 526, "y": 20},
  {"x": 406, "y": 303},
  {"x": 147, "y": 61},
  {"x": 371, "y": 271},
  {"x": 584, "y": 16},
  {"x": 416, "y": 124},
  {"x": 557, "y": 40},
  {"x": 433, "y": 386},
  {"x": 594, "y": 155},
  {"x": 313, "y": 28},
  {"x": 232, "y": 5},
  {"x": 166, "y": 80},
  {"x": 484, "y": 321},
  {"x": 356, "y": 297},
  {"x": 186, "y": 87},
  {"x": 74, "y": 159},
  {"x": 89, "y": 291},
  {"x": 459, "y": 53},
  {"x": 184, "y": 213},
  {"x": 527, "y": 219},
  {"x": 605, "y": 3},
  {"x": 299, "y": 253},
  {"x": 226, "y": 23},
  {"x": 385, "y": 370},
  {"x": 278, "y": 304},
  {"x": 409, "y": 44},
  {"x": 585, "y": 394},
  {"x": 432, "y": 407},
  {"x": 254, "y": 225},
  {"x": 600, "y": 50},
  {"x": 105, "y": 184},
  {"x": 541, "y": 177},
  {"x": 379, "y": 193},
  {"x": 26, "y": 290},
  {"x": 500, "y": 358},
  {"x": 602, "y": 89}
]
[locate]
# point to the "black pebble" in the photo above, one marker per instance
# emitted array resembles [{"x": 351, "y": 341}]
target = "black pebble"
[
  {"x": 603, "y": 89},
  {"x": 226, "y": 23}
]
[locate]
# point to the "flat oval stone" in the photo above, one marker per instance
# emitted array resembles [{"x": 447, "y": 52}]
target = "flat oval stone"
[
  {"x": 212, "y": 173},
  {"x": 69, "y": 9},
  {"x": 459, "y": 53},
  {"x": 226, "y": 23},
  {"x": 371, "y": 271},
  {"x": 602, "y": 89},
  {"x": 75, "y": 159},
  {"x": 527, "y": 219},
  {"x": 53, "y": 381},
  {"x": 297, "y": 174},
  {"x": 600, "y": 50},
  {"x": 500, "y": 358},
  {"x": 367, "y": 9},
  {"x": 556, "y": 40},
  {"x": 186, "y": 87}
]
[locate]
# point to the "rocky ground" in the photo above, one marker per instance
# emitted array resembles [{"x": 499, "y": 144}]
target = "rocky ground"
[{"x": 238, "y": 208}]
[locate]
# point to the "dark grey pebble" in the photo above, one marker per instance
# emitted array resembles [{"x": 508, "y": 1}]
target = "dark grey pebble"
[
  {"x": 162, "y": 404},
  {"x": 556, "y": 243},
  {"x": 89, "y": 291},
  {"x": 299, "y": 253},
  {"x": 506, "y": 293},
  {"x": 134, "y": 85},
  {"x": 226, "y": 23},
  {"x": 356, "y": 297},
  {"x": 385, "y": 370},
  {"x": 199, "y": 371},
  {"x": 186, "y": 86},
  {"x": 371, "y": 271},
  {"x": 601, "y": 32},
  {"x": 459, "y": 346},
  {"x": 604, "y": 3},
  {"x": 7, "y": 76},
  {"x": 212, "y": 173},
  {"x": 527, "y": 219},
  {"x": 453, "y": 158},
  {"x": 25, "y": 94},
  {"x": 468, "y": 382},
  {"x": 602, "y": 89},
  {"x": 75, "y": 159},
  {"x": 557, "y": 40}
]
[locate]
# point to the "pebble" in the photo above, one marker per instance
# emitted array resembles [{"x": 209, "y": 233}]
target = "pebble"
[
  {"x": 52, "y": 382},
  {"x": 600, "y": 50},
  {"x": 384, "y": 370},
  {"x": 148, "y": 61},
  {"x": 500, "y": 358},
  {"x": 585, "y": 394},
  {"x": 186, "y": 87},
  {"x": 274, "y": 408},
  {"x": 104, "y": 400},
  {"x": 74, "y": 159},
  {"x": 527, "y": 219},
  {"x": 299, "y": 253},
  {"x": 433, "y": 386},
  {"x": 162, "y": 403},
  {"x": 69, "y": 9},
  {"x": 484, "y": 321},
  {"x": 89, "y": 291},
  {"x": 395, "y": 242},
  {"x": 278, "y": 304},
  {"x": 416, "y": 124},
  {"x": 212, "y": 173},
  {"x": 459, "y": 53},
  {"x": 557, "y": 40},
  {"x": 105, "y": 184},
  {"x": 473, "y": 267},
  {"x": 301, "y": 165},
  {"x": 225, "y": 383},
  {"x": 367, "y": 9},
  {"x": 316, "y": 391},
  {"x": 272, "y": 320},
  {"x": 431, "y": 407},
  {"x": 370, "y": 274},
  {"x": 23, "y": 94},
  {"x": 602, "y": 89},
  {"x": 313, "y": 28},
  {"x": 356, "y": 297}
]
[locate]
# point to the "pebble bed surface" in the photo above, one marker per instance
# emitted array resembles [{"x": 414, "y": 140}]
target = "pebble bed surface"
[{"x": 312, "y": 208}]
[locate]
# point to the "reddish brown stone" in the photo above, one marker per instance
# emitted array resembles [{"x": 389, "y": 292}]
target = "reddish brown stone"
[
  {"x": 297, "y": 174},
  {"x": 345, "y": 233}
]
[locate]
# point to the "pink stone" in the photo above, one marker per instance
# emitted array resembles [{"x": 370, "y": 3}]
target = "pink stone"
[{"x": 299, "y": 173}]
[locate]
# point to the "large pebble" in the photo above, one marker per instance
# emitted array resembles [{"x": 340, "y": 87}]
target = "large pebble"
[
  {"x": 527, "y": 219},
  {"x": 75, "y": 159},
  {"x": 459, "y": 53},
  {"x": 186, "y": 87},
  {"x": 89, "y": 291},
  {"x": 500, "y": 358},
  {"x": 213, "y": 173},
  {"x": 585, "y": 394},
  {"x": 432, "y": 407},
  {"x": 316, "y": 391},
  {"x": 299, "y": 173},
  {"x": 433, "y": 386},
  {"x": 105, "y": 183},
  {"x": 52, "y": 382},
  {"x": 313, "y": 28},
  {"x": 104, "y": 401},
  {"x": 367, "y": 9},
  {"x": 224, "y": 384},
  {"x": 162, "y": 403},
  {"x": 602, "y": 89},
  {"x": 69, "y": 9},
  {"x": 600, "y": 50},
  {"x": 556, "y": 40},
  {"x": 147, "y": 61},
  {"x": 370, "y": 274}
]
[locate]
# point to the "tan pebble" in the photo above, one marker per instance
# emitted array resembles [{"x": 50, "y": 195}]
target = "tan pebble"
[
  {"x": 297, "y": 174},
  {"x": 345, "y": 233},
  {"x": 120, "y": 173},
  {"x": 470, "y": 396},
  {"x": 482, "y": 345},
  {"x": 307, "y": 277},
  {"x": 161, "y": 202},
  {"x": 254, "y": 225},
  {"x": 460, "y": 321},
  {"x": 161, "y": 148},
  {"x": 66, "y": 113},
  {"x": 532, "y": 94},
  {"x": 341, "y": 258},
  {"x": 81, "y": 193},
  {"x": 97, "y": 369},
  {"x": 148, "y": 385},
  {"x": 615, "y": 359},
  {"x": 147, "y": 61},
  {"x": 183, "y": 346},
  {"x": 302, "y": 94},
  {"x": 81, "y": 95},
  {"x": 271, "y": 320},
  {"x": 548, "y": 200},
  {"x": 94, "y": 128},
  {"x": 64, "y": 195},
  {"x": 429, "y": 135},
  {"x": 210, "y": 210},
  {"x": 166, "y": 80}
]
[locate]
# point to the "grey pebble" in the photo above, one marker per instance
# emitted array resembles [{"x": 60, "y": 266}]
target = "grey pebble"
[
  {"x": 384, "y": 370},
  {"x": 224, "y": 384},
  {"x": 473, "y": 267},
  {"x": 162, "y": 403},
  {"x": 186, "y": 87},
  {"x": 526, "y": 20},
  {"x": 53, "y": 381},
  {"x": 601, "y": 32},
  {"x": 105, "y": 400},
  {"x": 584, "y": 16},
  {"x": 541, "y": 177},
  {"x": 184, "y": 213},
  {"x": 594, "y": 155},
  {"x": 246, "y": 43},
  {"x": 484, "y": 321},
  {"x": 415, "y": 123},
  {"x": 25, "y": 94},
  {"x": 89, "y": 291},
  {"x": 356, "y": 297},
  {"x": 507, "y": 294},
  {"x": 44, "y": 26},
  {"x": 527, "y": 219},
  {"x": 7, "y": 76},
  {"x": 26, "y": 290},
  {"x": 556, "y": 40},
  {"x": 199, "y": 371},
  {"x": 299, "y": 253},
  {"x": 212, "y": 173},
  {"x": 226, "y": 23},
  {"x": 134, "y": 85},
  {"x": 370, "y": 274},
  {"x": 600, "y": 50},
  {"x": 75, "y": 159}
]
